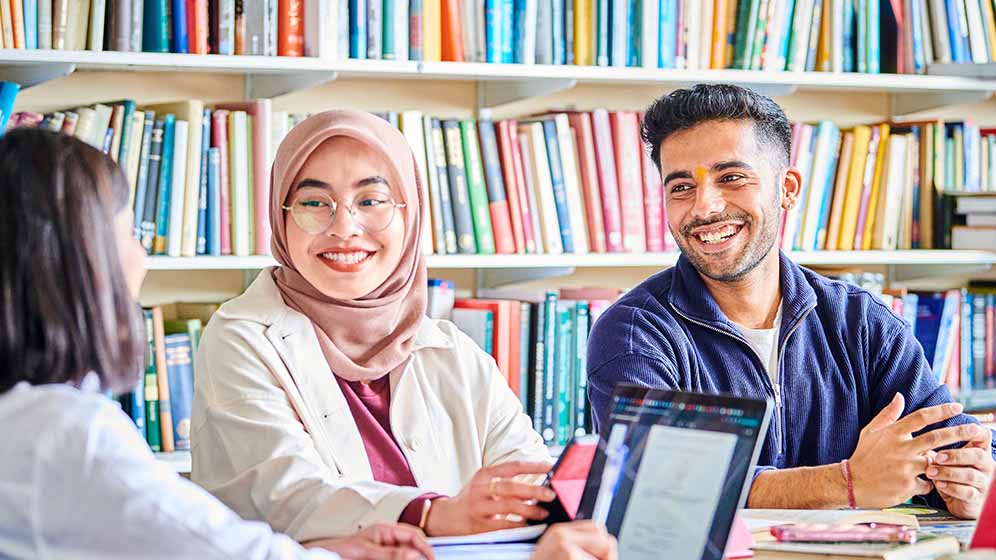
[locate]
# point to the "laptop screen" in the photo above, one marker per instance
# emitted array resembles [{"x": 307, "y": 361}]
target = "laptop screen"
[{"x": 672, "y": 469}]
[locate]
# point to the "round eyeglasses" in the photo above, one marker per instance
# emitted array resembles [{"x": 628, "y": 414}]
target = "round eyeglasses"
[{"x": 315, "y": 212}]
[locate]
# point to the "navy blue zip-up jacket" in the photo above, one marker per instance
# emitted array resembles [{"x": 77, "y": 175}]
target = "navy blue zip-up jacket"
[{"x": 843, "y": 356}]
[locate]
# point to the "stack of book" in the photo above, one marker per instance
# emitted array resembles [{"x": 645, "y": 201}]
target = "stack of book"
[
  {"x": 160, "y": 405},
  {"x": 978, "y": 231},
  {"x": 796, "y": 35},
  {"x": 228, "y": 27}
]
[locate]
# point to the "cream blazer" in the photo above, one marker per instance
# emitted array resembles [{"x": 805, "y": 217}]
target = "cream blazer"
[{"x": 273, "y": 437}]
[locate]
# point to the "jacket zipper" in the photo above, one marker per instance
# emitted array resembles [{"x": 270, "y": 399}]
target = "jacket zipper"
[{"x": 775, "y": 388}]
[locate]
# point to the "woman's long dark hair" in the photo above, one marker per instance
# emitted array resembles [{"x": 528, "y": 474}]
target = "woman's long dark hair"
[{"x": 65, "y": 308}]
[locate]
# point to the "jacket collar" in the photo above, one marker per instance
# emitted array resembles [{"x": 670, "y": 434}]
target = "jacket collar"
[
  {"x": 690, "y": 297},
  {"x": 262, "y": 303}
]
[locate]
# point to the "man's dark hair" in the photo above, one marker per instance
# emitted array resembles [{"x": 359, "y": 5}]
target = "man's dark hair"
[
  {"x": 685, "y": 108},
  {"x": 65, "y": 308}
]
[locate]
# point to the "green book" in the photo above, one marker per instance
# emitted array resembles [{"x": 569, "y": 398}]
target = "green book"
[
  {"x": 565, "y": 386},
  {"x": 746, "y": 24},
  {"x": 581, "y": 324},
  {"x": 479, "y": 209},
  {"x": 760, "y": 34},
  {"x": 152, "y": 433}
]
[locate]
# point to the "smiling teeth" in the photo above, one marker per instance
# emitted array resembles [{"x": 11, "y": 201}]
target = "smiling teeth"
[
  {"x": 719, "y": 235},
  {"x": 346, "y": 258}
]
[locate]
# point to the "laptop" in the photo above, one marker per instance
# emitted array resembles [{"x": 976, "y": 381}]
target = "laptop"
[{"x": 669, "y": 472}]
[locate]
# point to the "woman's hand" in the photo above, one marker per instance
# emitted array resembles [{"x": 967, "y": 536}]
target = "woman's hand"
[
  {"x": 382, "y": 541},
  {"x": 487, "y": 501},
  {"x": 579, "y": 540}
]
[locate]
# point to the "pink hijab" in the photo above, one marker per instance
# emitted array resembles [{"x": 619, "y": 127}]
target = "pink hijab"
[{"x": 366, "y": 338}]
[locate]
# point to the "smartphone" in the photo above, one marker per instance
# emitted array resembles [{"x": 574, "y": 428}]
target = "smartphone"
[{"x": 568, "y": 477}]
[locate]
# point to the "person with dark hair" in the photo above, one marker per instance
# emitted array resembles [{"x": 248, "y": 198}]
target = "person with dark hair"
[
  {"x": 736, "y": 316},
  {"x": 77, "y": 479}
]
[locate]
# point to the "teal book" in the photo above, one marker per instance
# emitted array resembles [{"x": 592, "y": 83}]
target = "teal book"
[
  {"x": 549, "y": 424},
  {"x": 155, "y": 30},
  {"x": 152, "y": 432},
  {"x": 525, "y": 330},
  {"x": 746, "y": 22},
  {"x": 128, "y": 109},
  {"x": 389, "y": 51},
  {"x": 538, "y": 324},
  {"x": 480, "y": 210},
  {"x": 582, "y": 416},
  {"x": 165, "y": 186},
  {"x": 180, "y": 369},
  {"x": 565, "y": 385}
]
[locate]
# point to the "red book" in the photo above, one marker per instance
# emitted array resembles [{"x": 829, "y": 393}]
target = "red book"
[
  {"x": 290, "y": 28},
  {"x": 497, "y": 187},
  {"x": 506, "y": 140},
  {"x": 605, "y": 158},
  {"x": 990, "y": 366},
  {"x": 219, "y": 139},
  {"x": 197, "y": 17},
  {"x": 625, "y": 131},
  {"x": 452, "y": 31},
  {"x": 261, "y": 112},
  {"x": 653, "y": 204},
  {"x": 162, "y": 377},
  {"x": 585, "y": 140},
  {"x": 501, "y": 310},
  {"x": 528, "y": 232}
]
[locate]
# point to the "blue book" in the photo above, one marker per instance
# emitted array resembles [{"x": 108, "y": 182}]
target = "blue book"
[
  {"x": 559, "y": 190},
  {"x": 632, "y": 37},
  {"x": 492, "y": 31},
  {"x": 8, "y": 94},
  {"x": 825, "y": 204},
  {"x": 863, "y": 34},
  {"x": 165, "y": 185},
  {"x": 415, "y": 40},
  {"x": 358, "y": 28},
  {"x": 136, "y": 404},
  {"x": 143, "y": 171},
  {"x": 519, "y": 31},
  {"x": 919, "y": 55},
  {"x": 508, "y": 19},
  {"x": 180, "y": 369},
  {"x": 108, "y": 140},
  {"x": 202, "y": 201},
  {"x": 874, "y": 49},
  {"x": 30, "y": 24},
  {"x": 930, "y": 307},
  {"x": 787, "y": 37},
  {"x": 559, "y": 56},
  {"x": 848, "y": 39},
  {"x": 967, "y": 366},
  {"x": 666, "y": 49},
  {"x": 959, "y": 52},
  {"x": 601, "y": 40},
  {"x": 127, "y": 111},
  {"x": 214, "y": 203},
  {"x": 388, "y": 48},
  {"x": 949, "y": 312},
  {"x": 549, "y": 380},
  {"x": 179, "y": 18}
]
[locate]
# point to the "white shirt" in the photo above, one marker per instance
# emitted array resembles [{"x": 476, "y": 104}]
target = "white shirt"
[
  {"x": 78, "y": 481},
  {"x": 765, "y": 345}
]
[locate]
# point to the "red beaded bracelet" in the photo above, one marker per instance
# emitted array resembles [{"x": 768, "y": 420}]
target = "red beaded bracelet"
[{"x": 845, "y": 467}]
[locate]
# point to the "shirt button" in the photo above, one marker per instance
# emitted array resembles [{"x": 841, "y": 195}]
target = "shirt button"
[{"x": 414, "y": 444}]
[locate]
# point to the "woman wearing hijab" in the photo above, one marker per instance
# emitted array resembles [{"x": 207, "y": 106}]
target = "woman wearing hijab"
[{"x": 325, "y": 399}]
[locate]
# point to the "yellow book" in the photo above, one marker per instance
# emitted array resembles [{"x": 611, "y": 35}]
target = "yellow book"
[
  {"x": 823, "y": 45},
  {"x": 852, "y": 196},
  {"x": 828, "y": 236},
  {"x": 134, "y": 152},
  {"x": 989, "y": 20},
  {"x": 432, "y": 31},
  {"x": 191, "y": 111},
  {"x": 731, "y": 31},
  {"x": 582, "y": 32},
  {"x": 880, "y": 163},
  {"x": 927, "y": 186},
  {"x": 720, "y": 13},
  {"x": 958, "y": 134}
]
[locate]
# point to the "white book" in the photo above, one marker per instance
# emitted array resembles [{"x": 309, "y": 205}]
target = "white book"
[
  {"x": 400, "y": 29},
  {"x": 940, "y": 30},
  {"x": 693, "y": 24},
  {"x": 45, "y": 25},
  {"x": 803, "y": 164},
  {"x": 983, "y": 148},
  {"x": 101, "y": 122},
  {"x": 927, "y": 44},
  {"x": 705, "y": 35},
  {"x": 412, "y": 128},
  {"x": 137, "y": 20},
  {"x": 775, "y": 34},
  {"x": 279, "y": 127},
  {"x": 543, "y": 185},
  {"x": 135, "y": 151},
  {"x": 802, "y": 23},
  {"x": 341, "y": 20},
  {"x": 525, "y": 147},
  {"x": 238, "y": 172},
  {"x": 544, "y": 32},
  {"x": 435, "y": 204},
  {"x": 991, "y": 148},
  {"x": 827, "y": 140},
  {"x": 572, "y": 184},
  {"x": 650, "y": 33},
  {"x": 886, "y": 231},
  {"x": 226, "y": 27},
  {"x": 980, "y": 220},
  {"x": 270, "y": 28},
  {"x": 976, "y": 32},
  {"x": 178, "y": 189},
  {"x": 836, "y": 33},
  {"x": 96, "y": 36},
  {"x": 529, "y": 35},
  {"x": 254, "y": 16},
  {"x": 468, "y": 23},
  {"x": 620, "y": 18}
]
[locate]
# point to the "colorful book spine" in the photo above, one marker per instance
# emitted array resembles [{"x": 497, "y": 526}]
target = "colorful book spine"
[
  {"x": 141, "y": 184},
  {"x": 564, "y": 378},
  {"x": 202, "y": 184},
  {"x": 549, "y": 378},
  {"x": 290, "y": 22},
  {"x": 152, "y": 189},
  {"x": 492, "y": 30},
  {"x": 612, "y": 216},
  {"x": 8, "y": 94},
  {"x": 358, "y": 28},
  {"x": 416, "y": 35},
  {"x": 155, "y": 31},
  {"x": 559, "y": 190},
  {"x": 179, "y": 364},
  {"x": 136, "y": 404},
  {"x": 214, "y": 203},
  {"x": 476, "y": 189},
  {"x": 165, "y": 186},
  {"x": 507, "y": 31},
  {"x": 445, "y": 192},
  {"x": 459, "y": 194},
  {"x": 30, "y": 23},
  {"x": 581, "y": 422},
  {"x": 152, "y": 431},
  {"x": 501, "y": 222}
]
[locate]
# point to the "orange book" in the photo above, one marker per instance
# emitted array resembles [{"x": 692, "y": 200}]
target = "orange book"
[
  {"x": 290, "y": 28},
  {"x": 823, "y": 45},
  {"x": 452, "y": 31},
  {"x": 17, "y": 22},
  {"x": 431, "y": 31},
  {"x": 162, "y": 376},
  {"x": 504, "y": 326},
  {"x": 629, "y": 177},
  {"x": 585, "y": 140},
  {"x": 719, "y": 26},
  {"x": 199, "y": 28}
]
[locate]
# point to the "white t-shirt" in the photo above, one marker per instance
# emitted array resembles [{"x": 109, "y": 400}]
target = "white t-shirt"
[
  {"x": 765, "y": 345},
  {"x": 78, "y": 481}
]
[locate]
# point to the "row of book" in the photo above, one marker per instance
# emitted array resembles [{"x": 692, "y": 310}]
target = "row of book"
[
  {"x": 869, "y": 36},
  {"x": 227, "y": 27},
  {"x": 161, "y": 403},
  {"x": 881, "y": 186},
  {"x": 975, "y": 222}
]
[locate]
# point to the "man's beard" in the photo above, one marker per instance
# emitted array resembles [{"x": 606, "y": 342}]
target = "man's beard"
[{"x": 756, "y": 249}]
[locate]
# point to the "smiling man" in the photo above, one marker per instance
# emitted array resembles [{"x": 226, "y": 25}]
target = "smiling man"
[{"x": 736, "y": 316}]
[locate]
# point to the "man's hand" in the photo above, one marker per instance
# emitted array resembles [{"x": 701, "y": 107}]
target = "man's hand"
[
  {"x": 888, "y": 461},
  {"x": 962, "y": 476},
  {"x": 578, "y": 540},
  {"x": 382, "y": 541}
]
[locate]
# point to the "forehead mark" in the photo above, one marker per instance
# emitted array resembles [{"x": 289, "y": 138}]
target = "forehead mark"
[{"x": 699, "y": 174}]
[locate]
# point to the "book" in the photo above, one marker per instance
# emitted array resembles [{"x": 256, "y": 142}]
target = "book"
[
  {"x": 498, "y": 206},
  {"x": 291, "y": 25},
  {"x": 506, "y": 131},
  {"x": 178, "y": 189},
  {"x": 152, "y": 431},
  {"x": 584, "y": 143},
  {"x": 606, "y": 164},
  {"x": 445, "y": 189},
  {"x": 8, "y": 95},
  {"x": 240, "y": 186},
  {"x": 546, "y": 219},
  {"x": 625, "y": 136},
  {"x": 459, "y": 192},
  {"x": 162, "y": 379},
  {"x": 560, "y": 204},
  {"x": 155, "y": 30},
  {"x": 160, "y": 218},
  {"x": 927, "y": 546},
  {"x": 260, "y": 157},
  {"x": 180, "y": 368},
  {"x": 476, "y": 189}
]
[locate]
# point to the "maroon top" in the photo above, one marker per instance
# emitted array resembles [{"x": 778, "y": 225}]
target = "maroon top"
[{"x": 370, "y": 405}]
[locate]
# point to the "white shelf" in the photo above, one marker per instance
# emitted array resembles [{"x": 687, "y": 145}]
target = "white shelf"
[
  {"x": 501, "y": 83},
  {"x": 180, "y": 461},
  {"x": 609, "y": 260}
]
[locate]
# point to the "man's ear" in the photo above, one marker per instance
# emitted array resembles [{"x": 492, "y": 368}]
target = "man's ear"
[{"x": 791, "y": 188}]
